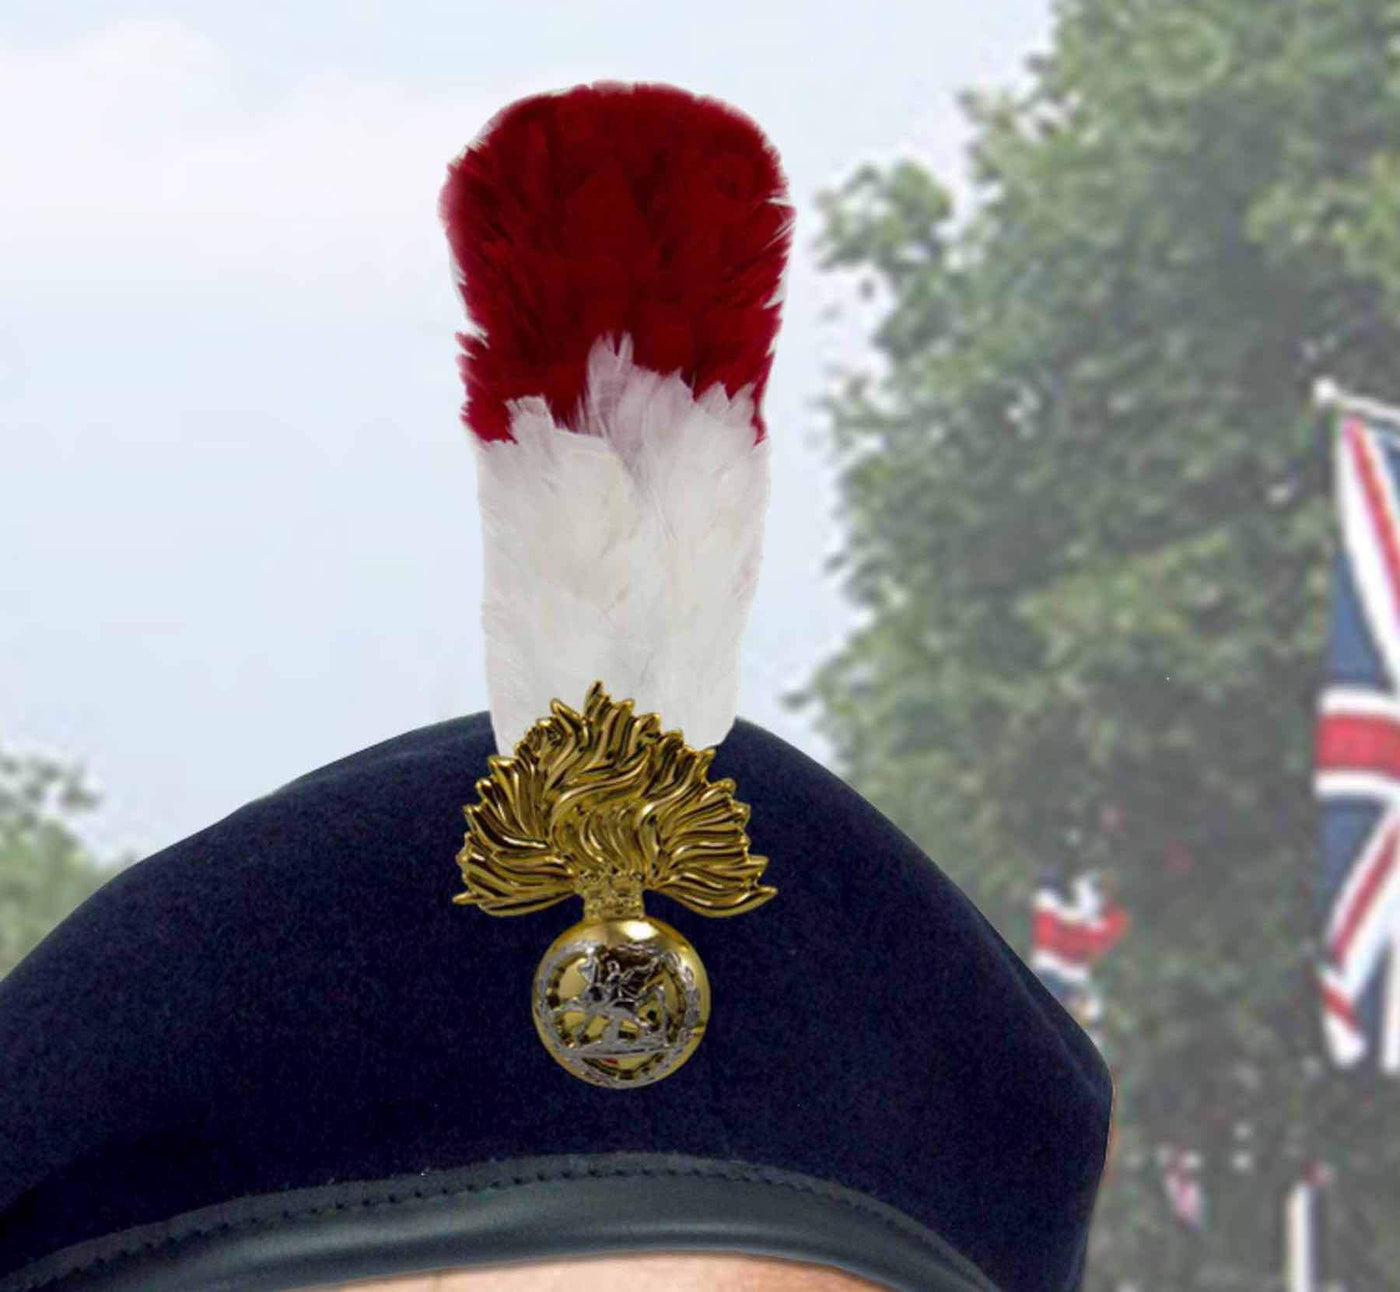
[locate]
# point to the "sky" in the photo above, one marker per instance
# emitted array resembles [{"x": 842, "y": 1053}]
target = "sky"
[{"x": 238, "y": 527}]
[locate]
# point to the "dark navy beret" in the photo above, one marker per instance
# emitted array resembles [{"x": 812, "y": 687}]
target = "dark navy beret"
[
  {"x": 276, "y": 1055},
  {"x": 281, "y": 1053}
]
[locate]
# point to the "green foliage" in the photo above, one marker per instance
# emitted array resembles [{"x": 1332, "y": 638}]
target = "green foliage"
[
  {"x": 45, "y": 871},
  {"x": 1087, "y": 518}
]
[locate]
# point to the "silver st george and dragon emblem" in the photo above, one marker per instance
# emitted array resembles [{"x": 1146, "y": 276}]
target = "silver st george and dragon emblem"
[{"x": 604, "y": 805}]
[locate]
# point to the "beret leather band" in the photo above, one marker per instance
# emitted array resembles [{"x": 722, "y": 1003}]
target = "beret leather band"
[{"x": 526, "y": 1209}]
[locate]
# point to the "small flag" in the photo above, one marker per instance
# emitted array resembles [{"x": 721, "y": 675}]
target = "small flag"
[
  {"x": 1181, "y": 1180},
  {"x": 1072, "y": 927},
  {"x": 1358, "y": 747}
]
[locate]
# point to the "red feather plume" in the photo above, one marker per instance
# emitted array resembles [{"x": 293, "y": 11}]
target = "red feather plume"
[{"x": 611, "y": 209}]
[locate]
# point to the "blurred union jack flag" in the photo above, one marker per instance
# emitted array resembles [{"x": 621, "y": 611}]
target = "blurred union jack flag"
[
  {"x": 1181, "y": 1179},
  {"x": 1072, "y": 926},
  {"x": 1358, "y": 751}
]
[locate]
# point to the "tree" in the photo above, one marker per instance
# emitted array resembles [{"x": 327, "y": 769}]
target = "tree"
[
  {"x": 45, "y": 870},
  {"x": 1087, "y": 517}
]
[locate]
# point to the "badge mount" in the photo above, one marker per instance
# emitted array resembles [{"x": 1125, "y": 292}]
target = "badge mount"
[{"x": 604, "y": 805}]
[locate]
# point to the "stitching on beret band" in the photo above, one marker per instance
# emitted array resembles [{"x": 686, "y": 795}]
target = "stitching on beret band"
[{"x": 61, "y": 1268}]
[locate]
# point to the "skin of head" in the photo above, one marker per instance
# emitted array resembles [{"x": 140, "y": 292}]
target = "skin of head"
[{"x": 675, "y": 1272}]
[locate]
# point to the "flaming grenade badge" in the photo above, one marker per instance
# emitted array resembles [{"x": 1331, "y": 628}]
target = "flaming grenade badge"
[{"x": 605, "y": 805}]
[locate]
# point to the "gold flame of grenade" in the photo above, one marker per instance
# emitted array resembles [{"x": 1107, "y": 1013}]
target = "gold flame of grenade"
[{"x": 604, "y": 805}]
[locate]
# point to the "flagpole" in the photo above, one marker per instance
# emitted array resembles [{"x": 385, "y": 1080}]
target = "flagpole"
[
  {"x": 1298, "y": 1238},
  {"x": 1328, "y": 394},
  {"x": 1390, "y": 1029}
]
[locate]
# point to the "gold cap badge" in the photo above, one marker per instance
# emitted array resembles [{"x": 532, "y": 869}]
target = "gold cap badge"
[{"x": 605, "y": 805}]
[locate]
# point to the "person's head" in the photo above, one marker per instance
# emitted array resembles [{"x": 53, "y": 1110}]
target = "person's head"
[
  {"x": 280, "y": 1054},
  {"x": 640, "y": 1272}
]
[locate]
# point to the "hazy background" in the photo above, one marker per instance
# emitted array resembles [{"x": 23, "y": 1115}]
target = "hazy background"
[
  {"x": 239, "y": 531},
  {"x": 1050, "y": 347}
]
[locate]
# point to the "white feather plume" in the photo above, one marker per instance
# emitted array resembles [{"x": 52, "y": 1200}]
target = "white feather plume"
[{"x": 623, "y": 549}]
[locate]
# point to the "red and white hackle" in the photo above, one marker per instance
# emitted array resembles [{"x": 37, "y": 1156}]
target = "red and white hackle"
[{"x": 621, "y": 252}]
